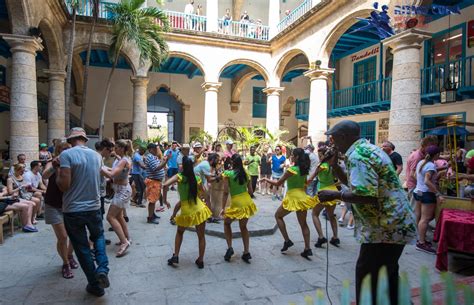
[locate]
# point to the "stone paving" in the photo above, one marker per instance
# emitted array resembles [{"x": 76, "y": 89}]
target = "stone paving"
[{"x": 30, "y": 268}]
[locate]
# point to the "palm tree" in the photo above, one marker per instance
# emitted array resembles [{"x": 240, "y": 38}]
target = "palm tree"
[
  {"x": 67, "y": 91},
  {"x": 95, "y": 16},
  {"x": 141, "y": 26}
]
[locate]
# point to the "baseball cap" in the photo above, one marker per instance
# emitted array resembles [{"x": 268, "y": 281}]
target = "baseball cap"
[
  {"x": 229, "y": 142},
  {"x": 345, "y": 127},
  {"x": 197, "y": 145},
  {"x": 43, "y": 145},
  {"x": 151, "y": 146},
  {"x": 309, "y": 146},
  {"x": 77, "y": 132}
]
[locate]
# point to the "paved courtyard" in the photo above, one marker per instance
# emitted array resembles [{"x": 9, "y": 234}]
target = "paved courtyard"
[{"x": 30, "y": 267}]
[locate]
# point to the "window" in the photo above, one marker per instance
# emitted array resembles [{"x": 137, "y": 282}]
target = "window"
[
  {"x": 365, "y": 74},
  {"x": 446, "y": 47},
  {"x": 259, "y": 105},
  {"x": 367, "y": 130},
  {"x": 3, "y": 75}
]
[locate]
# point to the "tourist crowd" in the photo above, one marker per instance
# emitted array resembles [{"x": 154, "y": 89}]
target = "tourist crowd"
[{"x": 70, "y": 186}]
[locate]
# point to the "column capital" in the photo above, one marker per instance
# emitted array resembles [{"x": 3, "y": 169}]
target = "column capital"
[
  {"x": 21, "y": 43},
  {"x": 211, "y": 86},
  {"x": 319, "y": 73},
  {"x": 139, "y": 80},
  {"x": 57, "y": 75},
  {"x": 273, "y": 91},
  {"x": 412, "y": 38}
]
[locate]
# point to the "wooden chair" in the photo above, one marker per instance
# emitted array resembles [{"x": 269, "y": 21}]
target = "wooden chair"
[{"x": 6, "y": 217}]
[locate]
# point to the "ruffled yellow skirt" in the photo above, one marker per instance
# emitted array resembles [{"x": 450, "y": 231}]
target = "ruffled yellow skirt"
[
  {"x": 329, "y": 188},
  {"x": 241, "y": 206},
  {"x": 192, "y": 214},
  {"x": 298, "y": 200}
]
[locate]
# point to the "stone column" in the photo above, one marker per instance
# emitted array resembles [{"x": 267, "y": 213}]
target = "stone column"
[
  {"x": 140, "y": 127},
  {"x": 56, "y": 104},
  {"x": 405, "y": 107},
  {"x": 318, "y": 103},
  {"x": 210, "y": 107},
  {"x": 212, "y": 15},
  {"x": 273, "y": 108},
  {"x": 23, "y": 102},
  {"x": 273, "y": 16}
]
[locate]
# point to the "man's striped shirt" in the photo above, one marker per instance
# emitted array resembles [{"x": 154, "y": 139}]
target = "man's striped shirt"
[{"x": 151, "y": 163}]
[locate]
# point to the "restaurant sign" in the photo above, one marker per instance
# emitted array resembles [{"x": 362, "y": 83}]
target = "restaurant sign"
[{"x": 365, "y": 54}]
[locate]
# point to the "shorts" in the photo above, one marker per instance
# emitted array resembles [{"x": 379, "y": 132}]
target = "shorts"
[
  {"x": 52, "y": 215},
  {"x": 171, "y": 172},
  {"x": 276, "y": 176},
  {"x": 153, "y": 190},
  {"x": 122, "y": 195},
  {"x": 425, "y": 197}
]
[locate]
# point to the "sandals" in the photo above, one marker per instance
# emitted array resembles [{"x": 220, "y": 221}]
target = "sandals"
[
  {"x": 123, "y": 249},
  {"x": 72, "y": 263},
  {"x": 67, "y": 272}
]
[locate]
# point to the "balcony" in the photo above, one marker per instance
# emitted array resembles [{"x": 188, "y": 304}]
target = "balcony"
[
  {"x": 295, "y": 14},
  {"x": 187, "y": 22},
  {"x": 459, "y": 72},
  {"x": 366, "y": 98},
  {"x": 302, "y": 109}
]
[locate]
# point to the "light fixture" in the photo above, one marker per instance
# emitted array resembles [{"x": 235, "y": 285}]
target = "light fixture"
[
  {"x": 439, "y": 54},
  {"x": 448, "y": 91}
]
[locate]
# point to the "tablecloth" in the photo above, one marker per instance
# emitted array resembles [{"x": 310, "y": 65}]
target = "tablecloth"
[{"x": 455, "y": 230}]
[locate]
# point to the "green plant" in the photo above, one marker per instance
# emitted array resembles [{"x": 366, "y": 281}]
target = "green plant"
[
  {"x": 404, "y": 293},
  {"x": 203, "y": 137},
  {"x": 140, "y": 143},
  {"x": 141, "y": 26},
  {"x": 157, "y": 139}
]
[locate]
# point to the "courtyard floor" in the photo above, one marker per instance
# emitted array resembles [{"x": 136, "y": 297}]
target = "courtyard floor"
[{"x": 30, "y": 267}]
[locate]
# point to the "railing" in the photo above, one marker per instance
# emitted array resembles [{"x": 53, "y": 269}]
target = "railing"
[
  {"x": 365, "y": 94},
  {"x": 244, "y": 29},
  {"x": 295, "y": 14},
  {"x": 85, "y": 8},
  {"x": 184, "y": 21},
  {"x": 459, "y": 72},
  {"x": 302, "y": 109}
]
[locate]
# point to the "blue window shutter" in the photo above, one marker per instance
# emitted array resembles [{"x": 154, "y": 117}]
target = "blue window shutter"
[
  {"x": 367, "y": 131},
  {"x": 259, "y": 103}
]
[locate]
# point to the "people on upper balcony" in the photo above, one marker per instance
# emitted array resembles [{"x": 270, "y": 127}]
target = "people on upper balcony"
[
  {"x": 226, "y": 21},
  {"x": 189, "y": 10}
]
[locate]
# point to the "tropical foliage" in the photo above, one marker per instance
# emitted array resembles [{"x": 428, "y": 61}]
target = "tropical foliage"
[
  {"x": 451, "y": 293},
  {"x": 141, "y": 26}
]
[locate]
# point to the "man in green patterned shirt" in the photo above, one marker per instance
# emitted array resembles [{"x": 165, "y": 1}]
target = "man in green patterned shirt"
[{"x": 383, "y": 217}]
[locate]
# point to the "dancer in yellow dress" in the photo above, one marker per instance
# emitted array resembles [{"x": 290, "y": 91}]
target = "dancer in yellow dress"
[
  {"x": 295, "y": 199},
  {"x": 193, "y": 211},
  {"x": 242, "y": 207},
  {"x": 326, "y": 181}
]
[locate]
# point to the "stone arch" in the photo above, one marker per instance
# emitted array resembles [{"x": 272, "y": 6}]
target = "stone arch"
[
  {"x": 18, "y": 13},
  {"x": 53, "y": 45},
  {"x": 285, "y": 60},
  {"x": 171, "y": 93},
  {"x": 249, "y": 62},
  {"x": 188, "y": 57},
  {"x": 333, "y": 37}
]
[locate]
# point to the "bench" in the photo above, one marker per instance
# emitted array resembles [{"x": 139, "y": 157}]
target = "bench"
[{"x": 6, "y": 217}]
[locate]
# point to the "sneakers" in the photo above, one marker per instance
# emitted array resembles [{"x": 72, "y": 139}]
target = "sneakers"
[
  {"x": 425, "y": 247},
  {"x": 321, "y": 242},
  {"x": 95, "y": 290},
  {"x": 340, "y": 221},
  {"x": 152, "y": 220},
  {"x": 307, "y": 253},
  {"x": 102, "y": 280},
  {"x": 173, "y": 260},
  {"x": 287, "y": 244},
  {"x": 29, "y": 229},
  {"x": 246, "y": 257},
  {"x": 335, "y": 242},
  {"x": 228, "y": 254}
]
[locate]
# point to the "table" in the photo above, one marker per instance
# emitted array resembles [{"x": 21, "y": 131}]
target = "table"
[{"x": 454, "y": 230}]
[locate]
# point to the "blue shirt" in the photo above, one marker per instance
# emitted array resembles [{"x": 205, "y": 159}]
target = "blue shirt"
[
  {"x": 202, "y": 170},
  {"x": 277, "y": 163},
  {"x": 136, "y": 168},
  {"x": 173, "y": 160},
  {"x": 152, "y": 162},
  {"x": 84, "y": 193}
]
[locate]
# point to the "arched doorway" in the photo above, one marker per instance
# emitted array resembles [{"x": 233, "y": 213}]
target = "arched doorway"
[{"x": 165, "y": 113}]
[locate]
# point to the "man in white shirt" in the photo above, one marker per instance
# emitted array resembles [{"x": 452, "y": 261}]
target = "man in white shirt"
[
  {"x": 189, "y": 10},
  {"x": 34, "y": 183},
  {"x": 312, "y": 187}
]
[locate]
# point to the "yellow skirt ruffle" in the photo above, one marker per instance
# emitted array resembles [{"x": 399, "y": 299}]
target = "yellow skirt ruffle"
[
  {"x": 192, "y": 214},
  {"x": 329, "y": 188},
  {"x": 298, "y": 200},
  {"x": 241, "y": 206}
]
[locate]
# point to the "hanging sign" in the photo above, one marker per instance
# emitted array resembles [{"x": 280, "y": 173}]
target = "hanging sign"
[
  {"x": 470, "y": 33},
  {"x": 367, "y": 53}
]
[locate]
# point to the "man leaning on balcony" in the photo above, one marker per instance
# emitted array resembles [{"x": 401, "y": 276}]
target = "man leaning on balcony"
[
  {"x": 384, "y": 221},
  {"x": 188, "y": 11}
]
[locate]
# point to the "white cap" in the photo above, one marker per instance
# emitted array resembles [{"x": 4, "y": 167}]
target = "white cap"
[
  {"x": 197, "y": 145},
  {"x": 230, "y": 142}
]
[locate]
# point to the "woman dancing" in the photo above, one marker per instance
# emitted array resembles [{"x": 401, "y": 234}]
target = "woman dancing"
[
  {"x": 122, "y": 193},
  {"x": 193, "y": 211},
  {"x": 295, "y": 199},
  {"x": 241, "y": 207}
]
